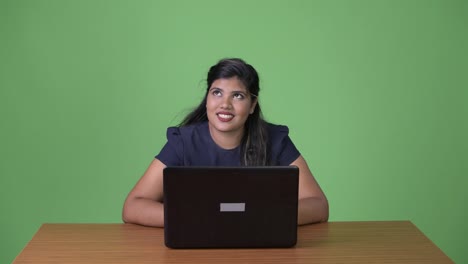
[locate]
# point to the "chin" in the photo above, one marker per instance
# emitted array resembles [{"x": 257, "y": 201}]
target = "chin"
[{"x": 225, "y": 127}]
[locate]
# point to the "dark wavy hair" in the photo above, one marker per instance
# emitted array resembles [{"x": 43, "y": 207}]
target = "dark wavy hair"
[{"x": 254, "y": 144}]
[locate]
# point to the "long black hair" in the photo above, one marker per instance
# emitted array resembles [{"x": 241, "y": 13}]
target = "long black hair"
[{"x": 254, "y": 144}]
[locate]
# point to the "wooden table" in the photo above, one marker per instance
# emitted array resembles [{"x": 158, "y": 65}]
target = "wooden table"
[{"x": 335, "y": 242}]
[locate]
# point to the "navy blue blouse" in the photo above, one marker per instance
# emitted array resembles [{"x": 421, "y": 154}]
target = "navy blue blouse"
[{"x": 193, "y": 146}]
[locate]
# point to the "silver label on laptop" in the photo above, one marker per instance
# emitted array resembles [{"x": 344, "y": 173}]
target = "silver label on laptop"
[{"x": 232, "y": 207}]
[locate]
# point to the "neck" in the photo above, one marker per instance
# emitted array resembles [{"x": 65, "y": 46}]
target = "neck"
[{"x": 226, "y": 140}]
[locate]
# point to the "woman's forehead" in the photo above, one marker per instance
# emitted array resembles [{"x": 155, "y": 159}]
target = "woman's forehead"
[{"x": 230, "y": 84}]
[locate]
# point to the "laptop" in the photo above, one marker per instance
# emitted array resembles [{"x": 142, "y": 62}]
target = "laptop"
[{"x": 230, "y": 207}]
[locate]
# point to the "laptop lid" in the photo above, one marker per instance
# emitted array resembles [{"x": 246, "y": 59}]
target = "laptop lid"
[{"x": 230, "y": 207}]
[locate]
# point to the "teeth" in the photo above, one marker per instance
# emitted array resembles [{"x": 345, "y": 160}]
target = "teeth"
[{"x": 225, "y": 116}]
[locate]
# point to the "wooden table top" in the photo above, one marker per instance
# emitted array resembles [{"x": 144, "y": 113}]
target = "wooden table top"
[{"x": 334, "y": 242}]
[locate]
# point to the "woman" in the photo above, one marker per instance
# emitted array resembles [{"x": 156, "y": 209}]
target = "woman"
[{"x": 226, "y": 129}]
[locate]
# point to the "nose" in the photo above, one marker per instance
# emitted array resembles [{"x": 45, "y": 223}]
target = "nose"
[{"x": 226, "y": 102}]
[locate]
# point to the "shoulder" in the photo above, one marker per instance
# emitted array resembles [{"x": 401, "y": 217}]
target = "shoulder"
[
  {"x": 277, "y": 131},
  {"x": 186, "y": 130},
  {"x": 188, "y": 133},
  {"x": 283, "y": 151}
]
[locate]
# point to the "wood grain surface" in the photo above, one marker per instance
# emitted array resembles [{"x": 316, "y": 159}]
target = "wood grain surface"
[{"x": 334, "y": 242}]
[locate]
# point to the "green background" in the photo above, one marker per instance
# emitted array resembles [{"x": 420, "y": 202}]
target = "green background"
[{"x": 374, "y": 94}]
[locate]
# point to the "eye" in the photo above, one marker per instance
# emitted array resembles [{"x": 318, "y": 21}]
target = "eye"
[
  {"x": 238, "y": 96},
  {"x": 216, "y": 92}
]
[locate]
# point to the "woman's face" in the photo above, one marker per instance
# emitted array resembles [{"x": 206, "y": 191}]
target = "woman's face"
[{"x": 228, "y": 105}]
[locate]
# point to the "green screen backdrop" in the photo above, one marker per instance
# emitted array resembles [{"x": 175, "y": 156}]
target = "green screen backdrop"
[{"x": 374, "y": 94}]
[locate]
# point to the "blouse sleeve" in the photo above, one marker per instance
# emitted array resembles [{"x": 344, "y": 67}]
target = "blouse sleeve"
[
  {"x": 172, "y": 153},
  {"x": 283, "y": 150}
]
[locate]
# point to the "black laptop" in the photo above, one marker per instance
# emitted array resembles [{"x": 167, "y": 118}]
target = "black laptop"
[{"x": 230, "y": 207}]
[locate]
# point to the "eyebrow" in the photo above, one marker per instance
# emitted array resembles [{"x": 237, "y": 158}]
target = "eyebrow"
[{"x": 235, "y": 91}]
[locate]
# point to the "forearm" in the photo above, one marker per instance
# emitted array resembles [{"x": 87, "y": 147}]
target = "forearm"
[
  {"x": 312, "y": 210},
  {"x": 143, "y": 211}
]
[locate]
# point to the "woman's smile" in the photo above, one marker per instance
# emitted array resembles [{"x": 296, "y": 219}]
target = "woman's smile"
[{"x": 225, "y": 116}]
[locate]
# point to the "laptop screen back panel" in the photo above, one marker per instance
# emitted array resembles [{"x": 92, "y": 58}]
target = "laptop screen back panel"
[{"x": 230, "y": 207}]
